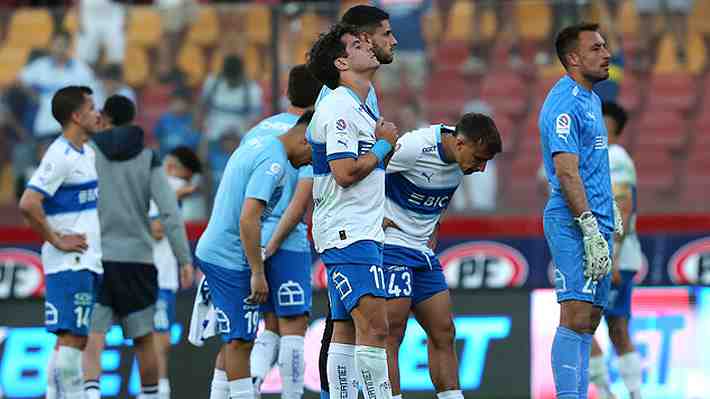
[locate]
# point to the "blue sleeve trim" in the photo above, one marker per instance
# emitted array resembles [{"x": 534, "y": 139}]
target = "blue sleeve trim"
[
  {"x": 39, "y": 190},
  {"x": 341, "y": 155}
]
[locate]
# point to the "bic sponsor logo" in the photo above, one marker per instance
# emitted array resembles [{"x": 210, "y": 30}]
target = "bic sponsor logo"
[
  {"x": 484, "y": 264},
  {"x": 691, "y": 263},
  {"x": 21, "y": 274}
]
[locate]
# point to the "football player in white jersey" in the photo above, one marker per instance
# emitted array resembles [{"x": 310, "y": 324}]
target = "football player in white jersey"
[
  {"x": 422, "y": 176},
  {"x": 180, "y": 165},
  {"x": 60, "y": 204},
  {"x": 350, "y": 151},
  {"x": 627, "y": 262}
]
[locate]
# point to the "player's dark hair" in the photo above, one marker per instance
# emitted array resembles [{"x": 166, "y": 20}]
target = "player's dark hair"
[
  {"x": 187, "y": 158},
  {"x": 480, "y": 128},
  {"x": 616, "y": 112},
  {"x": 120, "y": 109},
  {"x": 233, "y": 68},
  {"x": 367, "y": 18},
  {"x": 568, "y": 39},
  {"x": 63, "y": 34},
  {"x": 305, "y": 118},
  {"x": 328, "y": 48},
  {"x": 68, "y": 100},
  {"x": 303, "y": 88}
]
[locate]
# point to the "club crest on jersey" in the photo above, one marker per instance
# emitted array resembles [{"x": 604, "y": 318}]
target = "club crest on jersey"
[
  {"x": 274, "y": 169},
  {"x": 340, "y": 124},
  {"x": 563, "y": 123}
]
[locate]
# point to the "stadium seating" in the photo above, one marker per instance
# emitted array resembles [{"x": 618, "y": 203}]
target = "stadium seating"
[
  {"x": 137, "y": 58},
  {"x": 191, "y": 62},
  {"x": 30, "y": 27},
  {"x": 144, "y": 27},
  {"x": 205, "y": 30},
  {"x": 13, "y": 59}
]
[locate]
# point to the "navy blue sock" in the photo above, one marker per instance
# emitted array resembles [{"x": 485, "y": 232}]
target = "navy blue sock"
[
  {"x": 586, "y": 352},
  {"x": 567, "y": 363}
]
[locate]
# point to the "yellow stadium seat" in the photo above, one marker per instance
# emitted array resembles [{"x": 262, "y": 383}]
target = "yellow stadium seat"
[
  {"x": 312, "y": 25},
  {"x": 628, "y": 19},
  {"x": 699, "y": 18},
  {"x": 30, "y": 27},
  {"x": 205, "y": 30},
  {"x": 461, "y": 18},
  {"x": 144, "y": 27},
  {"x": 71, "y": 22},
  {"x": 138, "y": 68},
  {"x": 258, "y": 24},
  {"x": 191, "y": 61},
  {"x": 667, "y": 61},
  {"x": 13, "y": 59},
  {"x": 534, "y": 19}
]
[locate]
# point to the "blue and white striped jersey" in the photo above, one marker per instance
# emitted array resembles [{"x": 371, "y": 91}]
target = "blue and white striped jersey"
[
  {"x": 343, "y": 127},
  {"x": 571, "y": 121},
  {"x": 419, "y": 186},
  {"x": 67, "y": 179}
]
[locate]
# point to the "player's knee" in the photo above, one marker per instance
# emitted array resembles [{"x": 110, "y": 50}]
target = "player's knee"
[
  {"x": 581, "y": 323},
  {"x": 443, "y": 334},
  {"x": 238, "y": 345},
  {"x": 395, "y": 330},
  {"x": 617, "y": 333},
  {"x": 377, "y": 327}
]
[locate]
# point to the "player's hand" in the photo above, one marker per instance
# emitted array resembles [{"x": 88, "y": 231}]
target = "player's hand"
[
  {"x": 618, "y": 221},
  {"x": 616, "y": 277},
  {"x": 387, "y": 131},
  {"x": 387, "y": 223},
  {"x": 597, "y": 262},
  {"x": 71, "y": 242},
  {"x": 156, "y": 230},
  {"x": 259, "y": 288},
  {"x": 187, "y": 275}
]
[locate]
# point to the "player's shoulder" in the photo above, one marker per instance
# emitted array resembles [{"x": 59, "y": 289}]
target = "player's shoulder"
[
  {"x": 565, "y": 97},
  {"x": 336, "y": 99},
  {"x": 62, "y": 150}
]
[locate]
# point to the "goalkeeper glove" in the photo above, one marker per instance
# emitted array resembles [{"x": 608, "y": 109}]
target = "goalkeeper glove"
[
  {"x": 597, "y": 262},
  {"x": 618, "y": 221}
]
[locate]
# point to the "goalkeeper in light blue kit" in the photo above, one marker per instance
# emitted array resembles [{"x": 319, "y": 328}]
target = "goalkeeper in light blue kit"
[{"x": 579, "y": 218}]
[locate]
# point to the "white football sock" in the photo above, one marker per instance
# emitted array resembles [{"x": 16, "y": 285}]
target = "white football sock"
[
  {"x": 164, "y": 388},
  {"x": 220, "y": 386},
  {"x": 264, "y": 355},
  {"x": 92, "y": 388},
  {"x": 453, "y": 394},
  {"x": 599, "y": 376},
  {"x": 630, "y": 370},
  {"x": 397, "y": 396},
  {"x": 52, "y": 376},
  {"x": 342, "y": 375},
  {"x": 291, "y": 366},
  {"x": 68, "y": 371},
  {"x": 149, "y": 392},
  {"x": 241, "y": 389},
  {"x": 371, "y": 365}
]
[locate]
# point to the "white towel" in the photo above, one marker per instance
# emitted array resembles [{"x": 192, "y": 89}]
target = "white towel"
[{"x": 203, "y": 323}]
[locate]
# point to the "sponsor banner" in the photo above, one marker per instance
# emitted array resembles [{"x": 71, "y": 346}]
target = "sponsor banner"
[
  {"x": 491, "y": 330},
  {"x": 667, "y": 329}
]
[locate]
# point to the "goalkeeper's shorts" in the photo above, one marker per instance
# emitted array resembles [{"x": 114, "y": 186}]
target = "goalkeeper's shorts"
[{"x": 567, "y": 249}]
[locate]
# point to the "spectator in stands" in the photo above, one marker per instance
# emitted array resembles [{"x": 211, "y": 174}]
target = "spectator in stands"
[
  {"x": 176, "y": 16},
  {"x": 564, "y": 13},
  {"x": 479, "y": 191},
  {"x": 101, "y": 26},
  {"x": 220, "y": 155},
  {"x": 45, "y": 75},
  {"x": 175, "y": 127},
  {"x": 675, "y": 15},
  {"x": 229, "y": 101},
  {"x": 411, "y": 60},
  {"x": 411, "y": 116},
  {"x": 111, "y": 82}
]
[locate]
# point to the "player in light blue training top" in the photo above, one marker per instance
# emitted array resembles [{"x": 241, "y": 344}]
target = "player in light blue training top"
[
  {"x": 579, "y": 218},
  {"x": 229, "y": 251},
  {"x": 284, "y": 237},
  {"x": 422, "y": 176}
]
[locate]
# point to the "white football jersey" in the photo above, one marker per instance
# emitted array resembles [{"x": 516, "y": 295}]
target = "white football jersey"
[
  {"x": 343, "y": 127},
  {"x": 419, "y": 187},
  {"x": 163, "y": 257},
  {"x": 67, "y": 179},
  {"x": 623, "y": 171}
]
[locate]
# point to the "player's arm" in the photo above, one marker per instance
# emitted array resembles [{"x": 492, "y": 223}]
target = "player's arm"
[
  {"x": 302, "y": 199},
  {"x": 567, "y": 172},
  {"x": 32, "y": 211},
  {"x": 342, "y": 147},
  {"x": 250, "y": 233},
  {"x": 623, "y": 195}
]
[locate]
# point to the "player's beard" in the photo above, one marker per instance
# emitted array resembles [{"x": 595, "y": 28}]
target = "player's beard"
[
  {"x": 596, "y": 77},
  {"x": 382, "y": 56}
]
